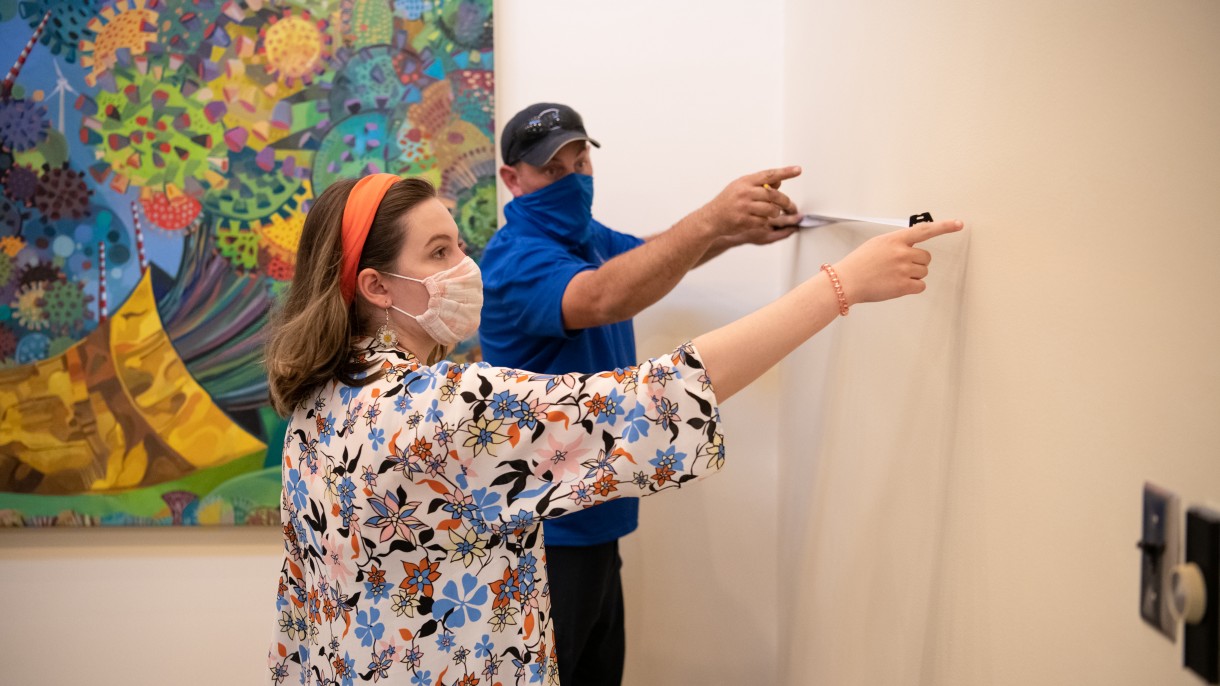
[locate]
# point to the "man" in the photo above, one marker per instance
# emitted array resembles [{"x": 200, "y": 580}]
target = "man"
[{"x": 560, "y": 290}]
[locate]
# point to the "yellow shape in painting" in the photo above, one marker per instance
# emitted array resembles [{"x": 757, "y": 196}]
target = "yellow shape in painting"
[
  {"x": 117, "y": 410},
  {"x": 35, "y": 420},
  {"x": 215, "y": 512},
  {"x": 172, "y": 403},
  {"x": 127, "y": 24},
  {"x": 297, "y": 47},
  {"x": 11, "y": 245},
  {"x": 126, "y": 473},
  {"x": 281, "y": 235},
  {"x": 294, "y": 47}
]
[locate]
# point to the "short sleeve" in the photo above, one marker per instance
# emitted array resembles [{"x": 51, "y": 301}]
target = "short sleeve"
[
  {"x": 531, "y": 288},
  {"x": 619, "y": 243}
]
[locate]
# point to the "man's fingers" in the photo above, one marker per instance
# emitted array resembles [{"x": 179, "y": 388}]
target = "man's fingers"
[
  {"x": 759, "y": 208},
  {"x": 780, "y": 233},
  {"x": 782, "y": 200},
  {"x": 769, "y": 194},
  {"x": 772, "y": 177},
  {"x": 922, "y": 232},
  {"x": 765, "y": 234},
  {"x": 766, "y": 194},
  {"x": 785, "y": 220},
  {"x": 922, "y": 257}
]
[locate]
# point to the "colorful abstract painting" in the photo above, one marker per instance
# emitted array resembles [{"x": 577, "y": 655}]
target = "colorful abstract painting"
[{"x": 157, "y": 159}]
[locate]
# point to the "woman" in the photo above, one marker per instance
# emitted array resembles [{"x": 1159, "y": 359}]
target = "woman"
[{"x": 414, "y": 487}]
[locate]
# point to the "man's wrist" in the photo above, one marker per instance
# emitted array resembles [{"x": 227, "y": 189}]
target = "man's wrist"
[{"x": 704, "y": 224}]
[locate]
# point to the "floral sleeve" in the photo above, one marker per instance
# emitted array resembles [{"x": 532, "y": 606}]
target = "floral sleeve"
[{"x": 508, "y": 447}]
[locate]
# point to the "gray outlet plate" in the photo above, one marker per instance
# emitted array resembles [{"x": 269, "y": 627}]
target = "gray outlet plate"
[{"x": 1159, "y": 553}]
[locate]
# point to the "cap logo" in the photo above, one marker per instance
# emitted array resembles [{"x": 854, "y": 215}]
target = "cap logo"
[{"x": 546, "y": 121}]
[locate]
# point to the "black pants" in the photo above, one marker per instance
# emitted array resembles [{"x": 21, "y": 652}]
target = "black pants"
[{"x": 587, "y": 613}]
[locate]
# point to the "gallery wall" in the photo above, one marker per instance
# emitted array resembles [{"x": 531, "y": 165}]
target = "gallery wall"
[{"x": 1078, "y": 142}]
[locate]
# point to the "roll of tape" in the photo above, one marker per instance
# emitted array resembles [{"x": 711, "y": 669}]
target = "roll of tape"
[{"x": 1189, "y": 593}]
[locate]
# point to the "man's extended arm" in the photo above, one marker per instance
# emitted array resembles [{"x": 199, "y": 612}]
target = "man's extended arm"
[{"x": 630, "y": 282}]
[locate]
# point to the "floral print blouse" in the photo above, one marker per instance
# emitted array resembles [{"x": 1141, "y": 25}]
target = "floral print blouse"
[{"x": 412, "y": 509}]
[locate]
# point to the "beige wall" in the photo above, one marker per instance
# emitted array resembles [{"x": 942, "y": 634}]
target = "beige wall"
[
  {"x": 1081, "y": 141},
  {"x": 133, "y": 607}
]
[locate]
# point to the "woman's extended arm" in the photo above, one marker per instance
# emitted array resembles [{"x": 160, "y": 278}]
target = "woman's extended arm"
[{"x": 885, "y": 267}]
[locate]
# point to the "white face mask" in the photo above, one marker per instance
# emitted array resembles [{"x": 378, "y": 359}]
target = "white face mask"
[{"x": 455, "y": 300}]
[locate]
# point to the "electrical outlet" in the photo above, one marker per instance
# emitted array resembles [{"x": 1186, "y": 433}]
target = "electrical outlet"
[
  {"x": 1159, "y": 543},
  {"x": 1201, "y": 648}
]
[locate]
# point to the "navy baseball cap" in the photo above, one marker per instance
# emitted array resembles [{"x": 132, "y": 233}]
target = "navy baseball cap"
[{"x": 537, "y": 132}]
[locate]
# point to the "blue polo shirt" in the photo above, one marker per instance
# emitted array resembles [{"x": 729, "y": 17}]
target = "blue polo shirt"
[{"x": 526, "y": 268}]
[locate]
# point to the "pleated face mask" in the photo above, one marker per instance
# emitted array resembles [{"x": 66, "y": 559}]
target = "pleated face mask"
[{"x": 455, "y": 301}]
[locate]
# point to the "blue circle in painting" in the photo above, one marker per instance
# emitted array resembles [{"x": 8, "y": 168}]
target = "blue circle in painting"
[{"x": 32, "y": 348}]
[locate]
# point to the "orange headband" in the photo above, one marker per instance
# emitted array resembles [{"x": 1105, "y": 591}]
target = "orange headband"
[{"x": 358, "y": 213}]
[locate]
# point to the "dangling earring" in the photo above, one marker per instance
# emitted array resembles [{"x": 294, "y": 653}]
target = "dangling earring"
[{"x": 386, "y": 335}]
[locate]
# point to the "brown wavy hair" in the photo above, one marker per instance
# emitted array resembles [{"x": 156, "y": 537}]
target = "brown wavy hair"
[{"x": 312, "y": 330}]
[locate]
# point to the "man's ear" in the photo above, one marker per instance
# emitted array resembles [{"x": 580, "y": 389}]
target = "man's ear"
[
  {"x": 370, "y": 285},
  {"x": 511, "y": 181}
]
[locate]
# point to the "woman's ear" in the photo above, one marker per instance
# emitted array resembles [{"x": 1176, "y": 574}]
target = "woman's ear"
[{"x": 370, "y": 285}]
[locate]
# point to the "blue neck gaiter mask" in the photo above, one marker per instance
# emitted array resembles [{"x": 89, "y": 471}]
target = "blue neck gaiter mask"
[{"x": 563, "y": 209}]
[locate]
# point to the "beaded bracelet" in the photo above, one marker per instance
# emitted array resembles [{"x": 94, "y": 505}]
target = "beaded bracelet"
[{"x": 834, "y": 281}]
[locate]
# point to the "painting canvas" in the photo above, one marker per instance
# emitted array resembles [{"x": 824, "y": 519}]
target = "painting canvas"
[{"x": 157, "y": 159}]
